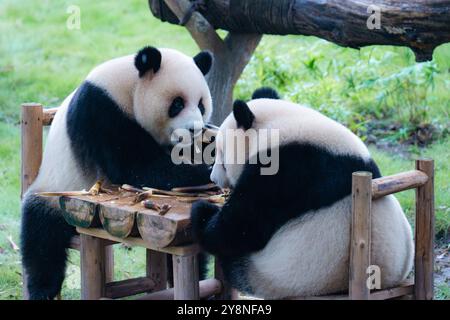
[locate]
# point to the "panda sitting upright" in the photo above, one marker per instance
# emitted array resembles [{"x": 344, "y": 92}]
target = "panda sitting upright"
[
  {"x": 116, "y": 126},
  {"x": 288, "y": 234}
]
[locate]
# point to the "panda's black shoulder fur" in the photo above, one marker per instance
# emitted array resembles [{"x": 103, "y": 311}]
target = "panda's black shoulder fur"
[
  {"x": 265, "y": 92},
  {"x": 106, "y": 142},
  {"x": 309, "y": 178}
]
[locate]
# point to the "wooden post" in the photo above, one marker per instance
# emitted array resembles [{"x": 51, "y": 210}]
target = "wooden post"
[
  {"x": 225, "y": 294},
  {"x": 93, "y": 267},
  {"x": 157, "y": 269},
  {"x": 360, "y": 235},
  {"x": 31, "y": 153},
  {"x": 424, "y": 237},
  {"x": 109, "y": 262},
  {"x": 31, "y": 127},
  {"x": 185, "y": 276}
]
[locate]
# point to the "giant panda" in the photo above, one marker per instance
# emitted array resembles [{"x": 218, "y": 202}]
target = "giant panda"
[
  {"x": 116, "y": 126},
  {"x": 288, "y": 234}
]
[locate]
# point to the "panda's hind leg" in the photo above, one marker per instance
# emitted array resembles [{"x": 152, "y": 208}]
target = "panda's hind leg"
[{"x": 45, "y": 237}]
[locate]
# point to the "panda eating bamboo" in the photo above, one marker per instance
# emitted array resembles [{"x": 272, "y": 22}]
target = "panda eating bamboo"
[
  {"x": 288, "y": 234},
  {"x": 117, "y": 126}
]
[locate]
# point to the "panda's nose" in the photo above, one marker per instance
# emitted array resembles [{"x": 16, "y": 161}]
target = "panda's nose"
[{"x": 195, "y": 132}]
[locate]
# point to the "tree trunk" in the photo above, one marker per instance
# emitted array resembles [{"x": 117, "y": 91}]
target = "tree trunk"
[
  {"x": 228, "y": 66},
  {"x": 421, "y": 25}
]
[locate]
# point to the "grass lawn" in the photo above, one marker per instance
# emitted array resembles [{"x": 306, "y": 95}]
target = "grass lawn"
[{"x": 41, "y": 60}]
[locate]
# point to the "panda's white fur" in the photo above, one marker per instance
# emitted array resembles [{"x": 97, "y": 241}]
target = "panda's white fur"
[
  {"x": 115, "y": 126},
  {"x": 178, "y": 75},
  {"x": 59, "y": 170},
  {"x": 309, "y": 254},
  {"x": 295, "y": 123}
]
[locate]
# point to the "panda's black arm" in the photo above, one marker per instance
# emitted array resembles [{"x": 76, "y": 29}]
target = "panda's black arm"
[
  {"x": 246, "y": 222},
  {"x": 164, "y": 174}
]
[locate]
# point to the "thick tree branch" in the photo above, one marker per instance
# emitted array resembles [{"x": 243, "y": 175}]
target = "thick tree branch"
[
  {"x": 421, "y": 25},
  {"x": 201, "y": 31}
]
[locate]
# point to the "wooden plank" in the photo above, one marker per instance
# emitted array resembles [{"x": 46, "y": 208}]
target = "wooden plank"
[
  {"x": 93, "y": 275},
  {"x": 129, "y": 287},
  {"x": 156, "y": 268},
  {"x": 360, "y": 235},
  {"x": 207, "y": 288},
  {"x": 134, "y": 241},
  {"x": 49, "y": 115},
  {"x": 424, "y": 237},
  {"x": 31, "y": 132},
  {"x": 185, "y": 277},
  {"x": 403, "y": 289},
  {"x": 397, "y": 182}
]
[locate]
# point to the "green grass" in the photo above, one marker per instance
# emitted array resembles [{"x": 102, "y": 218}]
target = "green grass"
[{"x": 41, "y": 60}]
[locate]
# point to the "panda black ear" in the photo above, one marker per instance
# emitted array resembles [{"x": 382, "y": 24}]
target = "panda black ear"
[
  {"x": 243, "y": 115},
  {"x": 148, "y": 58},
  {"x": 203, "y": 60}
]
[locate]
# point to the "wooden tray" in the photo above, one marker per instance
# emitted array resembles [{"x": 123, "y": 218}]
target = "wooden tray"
[{"x": 120, "y": 217}]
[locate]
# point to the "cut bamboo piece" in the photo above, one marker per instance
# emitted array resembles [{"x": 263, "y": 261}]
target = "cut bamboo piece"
[
  {"x": 170, "y": 229},
  {"x": 82, "y": 210},
  {"x": 360, "y": 235},
  {"x": 206, "y": 187},
  {"x": 162, "y": 232},
  {"x": 424, "y": 238},
  {"x": 117, "y": 219},
  {"x": 397, "y": 182}
]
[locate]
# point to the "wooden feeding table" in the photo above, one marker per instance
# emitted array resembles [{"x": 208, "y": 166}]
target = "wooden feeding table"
[
  {"x": 111, "y": 217},
  {"x": 159, "y": 223}
]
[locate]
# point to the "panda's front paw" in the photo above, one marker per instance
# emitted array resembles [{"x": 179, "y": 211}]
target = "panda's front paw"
[{"x": 201, "y": 213}]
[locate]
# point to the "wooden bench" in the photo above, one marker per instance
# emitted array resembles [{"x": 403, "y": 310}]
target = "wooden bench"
[{"x": 96, "y": 244}]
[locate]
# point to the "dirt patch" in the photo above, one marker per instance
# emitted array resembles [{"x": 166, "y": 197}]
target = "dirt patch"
[{"x": 442, "y": 264}]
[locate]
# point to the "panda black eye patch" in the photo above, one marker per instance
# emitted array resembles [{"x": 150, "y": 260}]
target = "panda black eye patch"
[
  {"x": 201, "y": 107},
  {"x": 176, "y": 107}
]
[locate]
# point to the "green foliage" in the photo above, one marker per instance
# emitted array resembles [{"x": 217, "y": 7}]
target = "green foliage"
[{"x": 376, "y": 85}]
